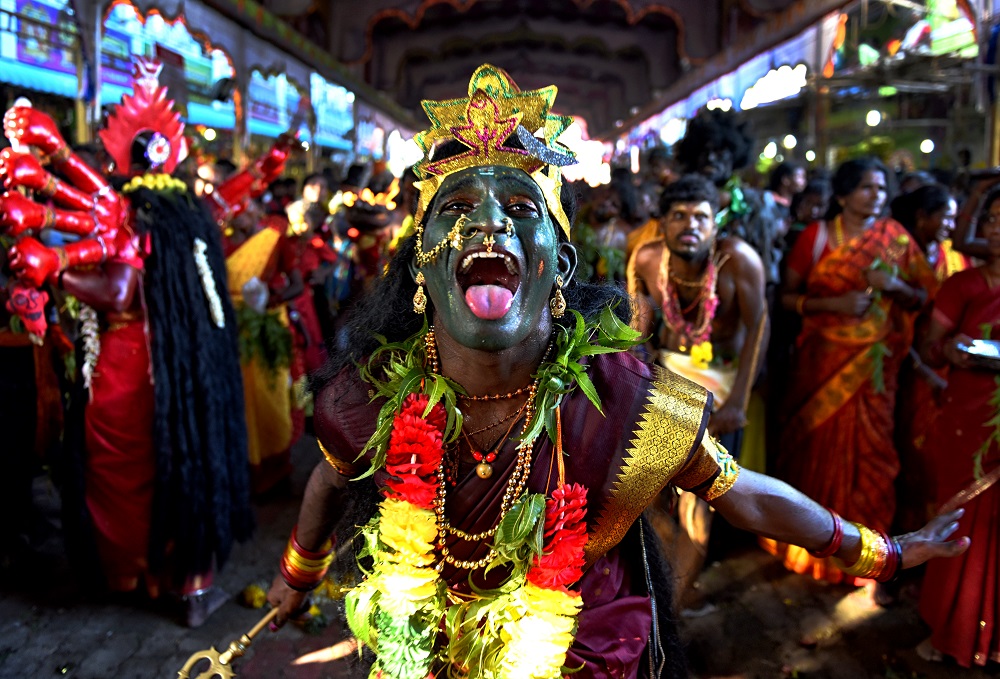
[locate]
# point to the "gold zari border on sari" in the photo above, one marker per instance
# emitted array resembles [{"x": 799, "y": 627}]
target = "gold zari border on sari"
[{"x": 666, "y": 433}]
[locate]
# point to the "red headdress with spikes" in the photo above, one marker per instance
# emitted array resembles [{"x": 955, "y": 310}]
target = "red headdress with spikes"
[{"x": 148, "y": 110}]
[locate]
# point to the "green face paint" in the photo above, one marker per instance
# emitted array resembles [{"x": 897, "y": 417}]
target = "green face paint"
[{"x": 493, "y": 291}]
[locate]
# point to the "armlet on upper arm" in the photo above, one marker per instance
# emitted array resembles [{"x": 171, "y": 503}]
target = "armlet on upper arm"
[
  {"x": 711, "y": 472},
  {"x": 348, "y": 469}
]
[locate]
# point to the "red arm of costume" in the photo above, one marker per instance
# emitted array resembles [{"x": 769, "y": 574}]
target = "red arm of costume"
[
  {"x": 35, "y": 264},
  {"x": 19, "y": 214},
  {"x": 93, "y": 208},
  {"x": 109, "y": 288},
  {"x": 229, "y": 198},
  {"x": 29, "y": 127}
]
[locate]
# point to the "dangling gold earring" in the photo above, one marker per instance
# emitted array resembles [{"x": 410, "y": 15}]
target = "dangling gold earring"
[
  {"x": 557, "y": 305},
  {"x": 419, "y": 298}
]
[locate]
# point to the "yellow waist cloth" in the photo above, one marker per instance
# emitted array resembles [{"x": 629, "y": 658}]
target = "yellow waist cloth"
[{"x": 717, "y": 379}]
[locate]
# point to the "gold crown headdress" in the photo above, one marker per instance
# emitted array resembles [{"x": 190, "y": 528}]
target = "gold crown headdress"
[{"x": 496, "y": 110}]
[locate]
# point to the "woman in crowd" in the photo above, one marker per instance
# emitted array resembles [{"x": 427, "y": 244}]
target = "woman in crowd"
[
  {"x": 856, "y": 279},
  {"x": 928, "y": 213},
  {"x": 960, "y": 599},
  {"x": 265, "y": 348}
]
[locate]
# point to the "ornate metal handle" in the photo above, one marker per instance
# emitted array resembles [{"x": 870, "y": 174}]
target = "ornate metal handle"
[{"x": 220, "y": 666}]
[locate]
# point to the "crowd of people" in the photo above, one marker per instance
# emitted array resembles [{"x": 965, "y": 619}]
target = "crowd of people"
[{"x": 832, "y": 332}]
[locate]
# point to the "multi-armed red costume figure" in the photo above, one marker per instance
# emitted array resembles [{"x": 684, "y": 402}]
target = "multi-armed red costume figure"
[{"x": 165, "y": 467}]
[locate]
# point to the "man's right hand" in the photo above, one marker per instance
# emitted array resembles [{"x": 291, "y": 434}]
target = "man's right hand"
[{"x": 288, "y": 601}]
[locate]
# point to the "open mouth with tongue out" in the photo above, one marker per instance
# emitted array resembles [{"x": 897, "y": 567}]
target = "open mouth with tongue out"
[{"x": 488, "y": 281}]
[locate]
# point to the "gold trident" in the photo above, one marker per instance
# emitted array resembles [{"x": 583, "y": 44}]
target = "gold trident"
[{"x": 221, "y": 663}]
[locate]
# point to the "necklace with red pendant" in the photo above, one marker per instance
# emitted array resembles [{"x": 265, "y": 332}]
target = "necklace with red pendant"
[{"x": 485, "y": 459}]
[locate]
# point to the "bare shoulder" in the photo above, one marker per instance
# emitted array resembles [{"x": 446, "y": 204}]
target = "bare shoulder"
[
  {"x": 741, "y": 254},
  {"x": 647, "y": 257}
]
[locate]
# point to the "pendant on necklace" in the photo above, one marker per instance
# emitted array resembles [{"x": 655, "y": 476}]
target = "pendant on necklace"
[{"x": 484, "y": 469}]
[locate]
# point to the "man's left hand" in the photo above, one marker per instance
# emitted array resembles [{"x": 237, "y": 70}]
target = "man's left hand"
[
  {"x": 933, "y": 540},
  {"x": 726, "y": 420}
]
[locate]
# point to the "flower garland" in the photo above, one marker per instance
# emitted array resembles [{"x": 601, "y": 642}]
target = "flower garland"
[
  {"x": 90, "y": 331},
  {"x": 208, "y": 283},
  {"x": 397, "y": 609},
  {"x": 546, "y": 607},
  {"x": 700, "y": 331},
  {"x": 522, "y": 629},
  {"x": 155, "y": 182}
]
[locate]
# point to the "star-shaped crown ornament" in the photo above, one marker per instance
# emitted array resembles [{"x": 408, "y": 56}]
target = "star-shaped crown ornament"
[{"x": 495, "y": 112}]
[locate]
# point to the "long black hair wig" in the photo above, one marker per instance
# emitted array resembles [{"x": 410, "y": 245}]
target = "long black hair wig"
[{"x": 201, "y": 501}]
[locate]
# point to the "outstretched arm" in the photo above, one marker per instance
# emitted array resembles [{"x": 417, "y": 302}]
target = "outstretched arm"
[{"x": 773, "y": 509}]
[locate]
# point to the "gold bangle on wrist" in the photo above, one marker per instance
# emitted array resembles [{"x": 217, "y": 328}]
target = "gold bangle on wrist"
[
  {"x": 874, "y": 555},
  {"x": 800, "y": 305}
]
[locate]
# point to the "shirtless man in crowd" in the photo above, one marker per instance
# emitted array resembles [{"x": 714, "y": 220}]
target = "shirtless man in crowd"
[{"x": 712, "y": 324}]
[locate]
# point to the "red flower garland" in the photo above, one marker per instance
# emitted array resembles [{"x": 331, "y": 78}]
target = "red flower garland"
[
  {"x": 561, "y": 563},
  {"x": 416, "y": 448}
]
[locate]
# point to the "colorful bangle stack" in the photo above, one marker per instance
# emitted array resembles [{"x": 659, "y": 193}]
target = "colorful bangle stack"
[
  {"x": 895, "y": 561},
  {"x": 836, "y": 539},
  {"x": 304, "y": 569},
  {"x": 881, "y": 556}
]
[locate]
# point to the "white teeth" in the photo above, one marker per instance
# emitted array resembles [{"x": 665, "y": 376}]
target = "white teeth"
[{"x": 508, "y": 260}]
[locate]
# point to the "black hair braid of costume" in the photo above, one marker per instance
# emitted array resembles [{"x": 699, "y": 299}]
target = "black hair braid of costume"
[{"x": 201, "y": 499}]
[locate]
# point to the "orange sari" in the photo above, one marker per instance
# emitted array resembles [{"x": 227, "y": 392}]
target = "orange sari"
[{"x": 837, "y": 444}]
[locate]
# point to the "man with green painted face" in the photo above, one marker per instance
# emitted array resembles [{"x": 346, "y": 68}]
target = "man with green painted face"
[{"x": 486, "y": 428}]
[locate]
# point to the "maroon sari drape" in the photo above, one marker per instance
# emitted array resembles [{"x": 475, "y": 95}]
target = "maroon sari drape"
[{"x": 616, "y": 620}]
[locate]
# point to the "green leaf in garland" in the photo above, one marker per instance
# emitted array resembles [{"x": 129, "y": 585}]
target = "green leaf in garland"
[
  {"x": 589, "y": 390},
  {"x": 514, "y": 530},
  {"x": 359, "y": 608},
  {"x": 264, "y": 338}
]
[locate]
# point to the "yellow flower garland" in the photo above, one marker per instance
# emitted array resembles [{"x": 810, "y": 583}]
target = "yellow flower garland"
[{"x": 155, "y": 182}]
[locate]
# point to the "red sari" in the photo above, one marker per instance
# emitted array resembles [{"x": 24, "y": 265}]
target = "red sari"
[
  {"x": 121, "y": 462},
  {"x": 960, "y": 599},
  {"x": 917, "y": 411},
  {"x": 837, "y": 443}
]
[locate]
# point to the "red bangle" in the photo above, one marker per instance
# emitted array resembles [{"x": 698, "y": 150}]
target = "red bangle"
[
  {"x": 308, "y": 553},
  {"x": 894, "y": 558},
  {"x": 835, "y": 540},
  {"x": 304, "y": 569}
]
